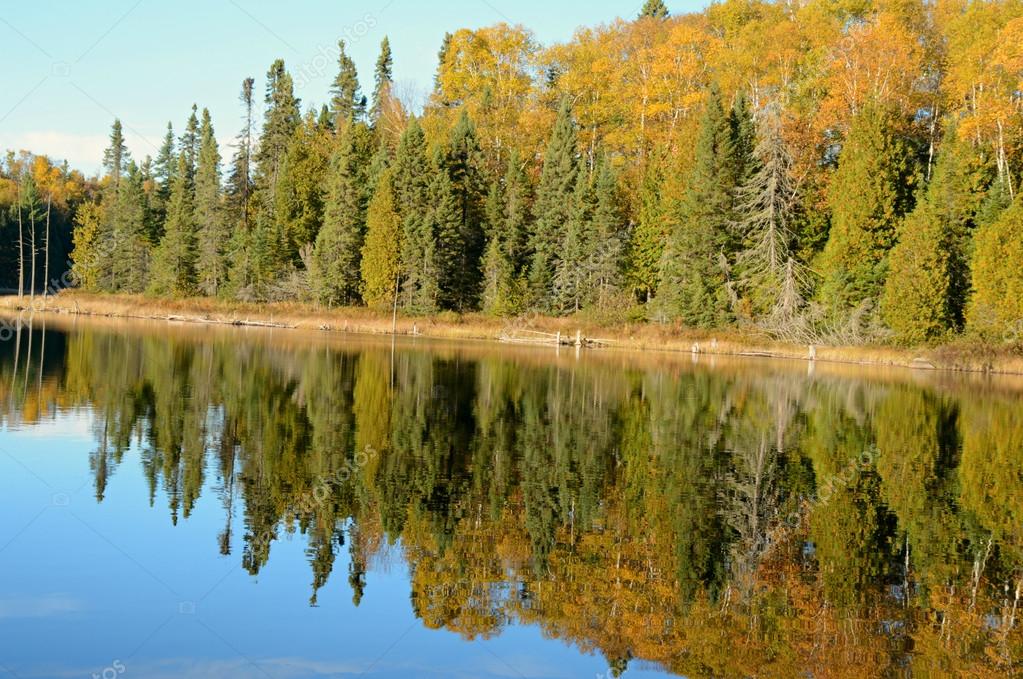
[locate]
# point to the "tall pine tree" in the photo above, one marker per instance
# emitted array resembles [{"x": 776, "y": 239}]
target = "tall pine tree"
[
  {"x": 214, "y": 235},
  {"x": 695, "y": 281},
  {"x": 554, "y": 201},
  {"x": 347, "y": 101},
  {"x": 381, "y": 251},
  {"x": 173, "y": 271},
  {"x": 383, "y": 80}
]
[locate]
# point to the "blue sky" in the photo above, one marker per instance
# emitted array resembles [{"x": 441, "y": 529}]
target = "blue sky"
[{"x": 70, "y": 67}]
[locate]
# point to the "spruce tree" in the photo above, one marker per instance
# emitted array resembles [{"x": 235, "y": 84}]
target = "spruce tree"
[
  {"x": 610, "y": 237},
  {"x": 572, "y": 271},
  {"x": 928, "y": 282},
  {"x": 646, "y": 249},
  {"x": 504, "y": 261},
  {"x": 213, "y": 232},
  {"x": 765, "y": 204},
  {"x": 173, "y": 270},
  {"x": 695, "y": 280},
  {"x": 336, "y": 262},
  {"x": 164, "y": 168},
  {"x": 870, "y": 192},
  {"x": 129, "y": 249},
  {"x": 655, "y": 9},
  {"x": 300, "y": 195},
  {"x": 554, "y": 200},
  {"x": 189, "y": 145},
  {"x": 441, "y": 286},
  {"x": 280, "y": 120},
  {"x": 347, "y": 101},
  {"x": 413, "y": 175},
  {"x": 239, "y": 182},
  {"x": 462, "y": 163},
  {"x": 116, "y": 157},
  {"x": 383, "y": 80},
  {"x": 381, "y": 251}
]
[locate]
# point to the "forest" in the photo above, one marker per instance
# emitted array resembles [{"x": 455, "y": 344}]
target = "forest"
[{"x": 827, "y": 171}]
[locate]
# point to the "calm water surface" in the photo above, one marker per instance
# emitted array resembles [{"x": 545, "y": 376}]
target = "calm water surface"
[{"x": 196, "y": 502}]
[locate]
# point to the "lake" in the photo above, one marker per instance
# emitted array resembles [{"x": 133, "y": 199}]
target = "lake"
[{"x": 190, "y": 501}]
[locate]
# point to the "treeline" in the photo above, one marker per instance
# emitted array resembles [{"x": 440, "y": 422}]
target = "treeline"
[{"x": 832, "y": 172}]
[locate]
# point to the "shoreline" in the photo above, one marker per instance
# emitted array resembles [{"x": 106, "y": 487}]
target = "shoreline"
[{"x": 970, "y": 357}]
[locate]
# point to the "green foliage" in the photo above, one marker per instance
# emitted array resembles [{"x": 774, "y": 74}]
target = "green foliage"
[
  {"x": 347, "y": 101},
  {"x": 655, "y": 9},
  {"x": 695, "y": 285},
  {"x": 336, "y": 261},
  {"x": 996, "y": 310},
  {"x": 926, "y": 291},
  {"x": 383, "y": 80},
  {"x": 382, "y": 248},
  {"x": 214, "y": 233},
  {"x": 554, "y": 201},
  {"x": 462, "y": 161},
  {"x": 173, "y": 270},
  {"x": 504, "y": 262},
  {"x": 870, "y": 193}
]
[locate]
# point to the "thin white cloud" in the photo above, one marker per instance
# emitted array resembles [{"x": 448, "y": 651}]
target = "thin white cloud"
[{"x": 47, "y": 606}]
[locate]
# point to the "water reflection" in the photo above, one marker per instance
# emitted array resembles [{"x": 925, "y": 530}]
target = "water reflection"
[{"x": 741, "y": 520}]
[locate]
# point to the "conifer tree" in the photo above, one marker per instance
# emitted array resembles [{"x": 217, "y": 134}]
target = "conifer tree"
[
  {"x": 213, "y": 232},
  {"x": 996, "y": 309},
  {"x": 462, "y": 163},
  {"x": 412, "y": 181},
  {"x": 504, "y": 262},
  {"x": 300, "y": 196},
  {"x": 871, "y": 191},
  {"x": 928, "y": 283},
  {"x": 173, "y": 269},
  {"x": 442, "y": 283},
  {"x": 554, "y": 202},
  {"x": 116, "y": 156},
  {"x": 336, "y": 262},
  {"x": 572, "y": 269},
  {"x": 239, "y": 182},
  {"x": 189, "y": 146},
  {"x": 609, "y": 235},
  {"x": 695, "y": 283},
  {"x": 380, "y": 253},
  {"x": 129, "y": 249},
  {"x": 383, "y": 79},
  {"x": 164, "y": 167},
  {"x": 655, "y": 9},
  {"x": 765, "y": 204},
  {"x": 646, "y": 249},
  {"x": 347, "y": 101},
  {"x": 280, "y": 120}
]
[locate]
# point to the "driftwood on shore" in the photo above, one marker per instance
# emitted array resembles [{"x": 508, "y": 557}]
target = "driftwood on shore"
[{"x": 523, "y": 336}]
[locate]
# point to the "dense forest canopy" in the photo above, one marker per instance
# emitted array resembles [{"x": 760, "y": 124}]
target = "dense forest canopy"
[{"x": 827, "y": 170}]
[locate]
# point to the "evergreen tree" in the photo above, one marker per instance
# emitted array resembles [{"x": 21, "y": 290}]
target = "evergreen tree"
[
  {"x": 441, "y": 285},
  {"x": 926, "y": 291},
  {"x": 280, "y": 120},
  {"x": 572, "y": 269},
  {"x": 213, "y": 232},
  {"x": 462, "y": 163},
  {"x": 764, "y": 212},
  {"x": 554, "y": 200},
  {"x": 163, "y": 173},
  {"x": 336, "y": 262},
  {"x": 381, "y": 251},
  {"x": 646, "y": 250},
  {"x": 116, "y": 156},
  {"x": 173, "y": 269},
  {"x": 996, "y": 309},
  {"x": 189, "y": 146},
  {"x": 129, "y": 247},
  {"x": 413, "y": 173},
  {"x": 346, "y": 101},
  {"x": 299, "y": 200},
  {"x": 383, "y": 79},
  {"x": 870, "y": 192},
  {"x": 655, "y": 9},
  {"x": 508, "y": 219},
  {"x": 610, "y": 237},
  {"x": 695, "y": 279},
  {"x": 239, "y": 182}
]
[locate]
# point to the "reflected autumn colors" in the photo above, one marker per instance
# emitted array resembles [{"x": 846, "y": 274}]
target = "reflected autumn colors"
[{"x": 731, "y": 520}]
